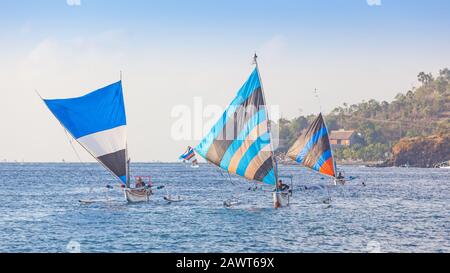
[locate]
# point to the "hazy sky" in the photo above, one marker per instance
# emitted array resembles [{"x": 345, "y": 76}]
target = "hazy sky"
[{"x": 173, "y": 51}]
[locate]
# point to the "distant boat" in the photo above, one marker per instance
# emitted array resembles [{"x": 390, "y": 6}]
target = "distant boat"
[
  {"x": 97, "y": 121},
  {"x": 190, "y": 157},
  {"x": 313, "y": 150},
  {"x": 240, "y": 141},
  {"x": 443, "y": 165}
]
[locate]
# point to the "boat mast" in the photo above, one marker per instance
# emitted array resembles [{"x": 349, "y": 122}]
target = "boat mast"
[
  {"x": 274, "y": 162},
  {"x": 127, "y": 159},
  {"x": 316, "y": 93},
  {"x": 331, "y": 149}
]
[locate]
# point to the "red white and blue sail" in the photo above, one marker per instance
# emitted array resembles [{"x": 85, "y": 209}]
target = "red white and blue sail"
[
  {"x": 98, "y": 122},
  {"x": 189, "y": 155},
  {"x": 313, "y": 150},
  {"x": 240, "y": 141}
]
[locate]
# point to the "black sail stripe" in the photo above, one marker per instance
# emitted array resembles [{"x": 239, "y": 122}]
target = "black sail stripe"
[
  {"x": 316, "y": 152},
  {"x": 264, "y": 170},
  {"x": 217, "y": 150},
  {"x": 303, "y": 139},
  {"x": 241, "y": 116},
  {"x": 116, "y": 162},
  {"x": 249, "y": 108},
  {"x": 234, "y": 126}
]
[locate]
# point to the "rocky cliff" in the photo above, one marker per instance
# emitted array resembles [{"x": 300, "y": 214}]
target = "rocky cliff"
[{"x": 422, "y": 152}]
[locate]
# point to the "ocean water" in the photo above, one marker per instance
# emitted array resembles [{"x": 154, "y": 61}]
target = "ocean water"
[{"x": 399, "y": 210}]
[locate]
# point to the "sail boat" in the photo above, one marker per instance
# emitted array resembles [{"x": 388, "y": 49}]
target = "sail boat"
[
  {"x": 313, "y": 149},
  {"x": 240, "y": 141},
  {"x": 190, "y": 157},
  {"x": 97, "y": 121}
]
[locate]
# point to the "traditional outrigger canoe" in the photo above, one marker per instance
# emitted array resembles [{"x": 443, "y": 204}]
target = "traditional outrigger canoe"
[
  {"x": 443, "y": 165},
  {"x": 97, "y": 121}
]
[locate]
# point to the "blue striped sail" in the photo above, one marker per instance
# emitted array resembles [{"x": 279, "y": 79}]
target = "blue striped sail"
[
  {"x": 240, "y": 141},
  {"x": 98, "y": 122},
  {"x": 313, "y": 150}
]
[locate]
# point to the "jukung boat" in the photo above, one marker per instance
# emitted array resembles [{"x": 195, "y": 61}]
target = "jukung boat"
[
  {"x": 97, "y": 121},
  {"x": 443, "y": 165},
  {"x": 240, "y": 141},
  {"x": 190, "y": 157}
]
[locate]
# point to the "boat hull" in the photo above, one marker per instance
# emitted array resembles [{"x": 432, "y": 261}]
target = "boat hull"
[
  {"x": 171, "y": 199},
  {"x": 281, "y": 199},
  {"x": 340, "y": 182},
  {"x": 231, "y": 202},
  {"x": 137, "y": 195}
]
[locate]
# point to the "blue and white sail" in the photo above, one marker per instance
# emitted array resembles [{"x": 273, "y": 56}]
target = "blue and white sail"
[{"x": 98, "y": 122}]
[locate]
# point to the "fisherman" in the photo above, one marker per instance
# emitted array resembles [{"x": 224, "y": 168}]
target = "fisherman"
[
  {"x": 195, "y": 162},
  {"x": 282, "y": 187},
  {"x": 139, "y": 183}
]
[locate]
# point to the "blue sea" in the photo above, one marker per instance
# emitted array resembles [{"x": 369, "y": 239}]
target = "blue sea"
[{"x": 399, "y": 210}]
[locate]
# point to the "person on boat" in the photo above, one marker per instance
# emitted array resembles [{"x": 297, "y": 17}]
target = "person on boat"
[
  {"x": 195, "y": 162},
  {"x": 281, "y": 186},
  {"x": 139, "y": 183},
  {"x": 340, "y": 179}
]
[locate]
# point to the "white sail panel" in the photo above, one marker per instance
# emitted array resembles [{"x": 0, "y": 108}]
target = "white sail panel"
[{"x": 105, "y": 142}]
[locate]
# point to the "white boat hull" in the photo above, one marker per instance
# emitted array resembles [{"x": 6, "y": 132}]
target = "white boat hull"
[
  {"x": 137, "y": 195},
  {"x": 340, "y": 182},
  {"x": 281, "y": 199},
  {"x": 231, "y": 202},
  {"x": 171, "y": 199}
]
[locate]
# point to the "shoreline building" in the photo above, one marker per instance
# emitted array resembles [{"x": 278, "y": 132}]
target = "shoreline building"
[{"x": 343, "y": 137}]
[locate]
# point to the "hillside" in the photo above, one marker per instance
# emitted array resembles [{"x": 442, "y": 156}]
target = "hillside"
[{"x": 419, "y": 112}]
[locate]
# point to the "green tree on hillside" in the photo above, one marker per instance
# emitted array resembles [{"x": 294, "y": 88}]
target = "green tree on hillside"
[{"x": 425, "y": 78}]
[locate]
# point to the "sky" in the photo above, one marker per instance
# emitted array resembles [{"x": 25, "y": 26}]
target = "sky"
[{"x": 187, "y": 53}]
